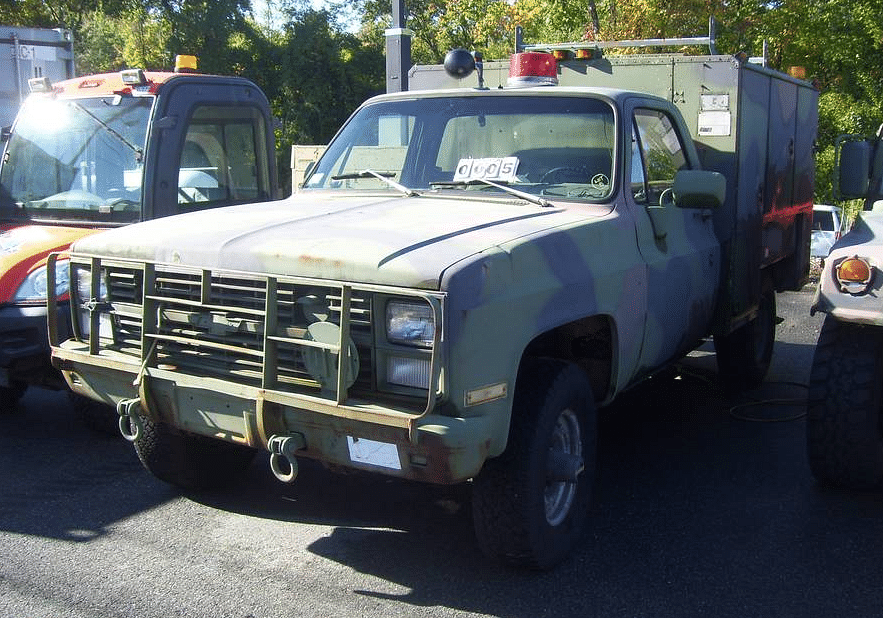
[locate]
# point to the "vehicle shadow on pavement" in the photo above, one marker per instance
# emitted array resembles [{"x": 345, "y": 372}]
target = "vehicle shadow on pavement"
[
  {"x": 60, "y": 480},
  {"x": 698, "y": 509}
]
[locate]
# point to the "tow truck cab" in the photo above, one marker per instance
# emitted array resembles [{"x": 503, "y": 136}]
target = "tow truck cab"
[{"x": 103, "y": 151}]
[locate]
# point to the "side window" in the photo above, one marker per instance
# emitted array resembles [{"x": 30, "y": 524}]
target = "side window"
[
  {"x": 223, "y": 159},
  {"x": 657, "y": 154}
]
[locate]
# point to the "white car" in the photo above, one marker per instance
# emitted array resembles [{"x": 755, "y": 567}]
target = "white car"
[{"x": 826, "y": 223}]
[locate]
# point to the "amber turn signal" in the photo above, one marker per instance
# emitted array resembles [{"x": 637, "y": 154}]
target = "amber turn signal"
[{"x": 854, "y": 275}]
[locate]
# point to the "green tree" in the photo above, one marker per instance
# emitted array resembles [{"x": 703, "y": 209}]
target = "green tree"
[
  {"x": 136, "y": 38},
  {"x": 325, "y": 74},
  {"x": 204, "y": 28},
  {"x": 56, "y": 14},
  {"x": 97, "y": 46}
]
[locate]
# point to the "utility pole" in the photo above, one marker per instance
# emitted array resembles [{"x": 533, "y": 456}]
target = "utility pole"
[{"x": 398, "y": 49}]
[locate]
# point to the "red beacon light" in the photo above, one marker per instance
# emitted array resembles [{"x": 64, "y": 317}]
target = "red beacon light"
[{"x": 533, "y": 69}]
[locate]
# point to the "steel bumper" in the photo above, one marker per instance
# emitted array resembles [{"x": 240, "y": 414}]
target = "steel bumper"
[{"x": 432, "y": 448}]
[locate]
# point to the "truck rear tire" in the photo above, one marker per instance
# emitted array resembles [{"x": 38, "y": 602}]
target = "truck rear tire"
[
  {"x": 10, "y": 396},
  {"x": 743, "y": 356},
  {"x": 524, "y": 513},
  {"x": 187, "y": 460},
  {"x": 844, "y": 424}
]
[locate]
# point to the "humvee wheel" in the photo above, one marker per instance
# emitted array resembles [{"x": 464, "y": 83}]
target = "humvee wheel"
[
  {"x": 530, "y": 503},
  {"x": 743, "y": 356},
  {"x": 187, "y": 460},
  {"x": 10, "y": 396},
  {"x": 100, "y": 417},
  {"x": 844, "y": 423}
]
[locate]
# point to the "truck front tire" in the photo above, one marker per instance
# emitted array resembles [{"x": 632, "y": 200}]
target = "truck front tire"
[
  {"x": 100, "y": 417},
  {"x": 525, "y": 513},
  {"x": 844, "y": 425},
  {"x": 187, "y": 460}
]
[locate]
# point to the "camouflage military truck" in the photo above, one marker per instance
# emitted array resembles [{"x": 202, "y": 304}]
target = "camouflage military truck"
[
  {"x": 845, "y": 412},
  {"x": 464, "y": 278}
]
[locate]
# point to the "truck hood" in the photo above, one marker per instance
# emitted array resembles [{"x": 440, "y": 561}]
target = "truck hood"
[
  {"x": 25, "y": 248},
  {"x": 403, "y": 241}
]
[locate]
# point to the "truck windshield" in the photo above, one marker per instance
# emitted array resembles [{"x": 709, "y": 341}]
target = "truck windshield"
[
  {"x": 543, "y": 145},
  {"x": 76, "y": 160}
]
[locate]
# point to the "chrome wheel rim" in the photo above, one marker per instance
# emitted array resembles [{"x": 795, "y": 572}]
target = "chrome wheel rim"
[{"x": 567, "y": 439}]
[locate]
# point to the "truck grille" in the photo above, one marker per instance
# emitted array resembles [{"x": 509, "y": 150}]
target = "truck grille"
[{"x": 251, "y": 330}]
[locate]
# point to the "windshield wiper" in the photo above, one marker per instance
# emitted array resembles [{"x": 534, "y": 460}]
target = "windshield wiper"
[
  {"x": 138, "y": 152},
  {"x": 384, "y": 176},
  {"x": 534, "y": 199}
]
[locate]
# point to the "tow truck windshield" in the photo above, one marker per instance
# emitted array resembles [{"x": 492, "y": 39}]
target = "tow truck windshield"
[
  {"x": 76, "y": 160},
  {"x": 544, "y": 146}
]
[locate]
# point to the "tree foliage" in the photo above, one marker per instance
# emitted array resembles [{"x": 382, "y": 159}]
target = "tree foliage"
[{"x": 315, "y": 69}]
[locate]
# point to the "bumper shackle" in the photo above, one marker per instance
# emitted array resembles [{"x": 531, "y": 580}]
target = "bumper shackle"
[
  {"x": 130, "y": 420},
  {"x": 283, "y": 448}
]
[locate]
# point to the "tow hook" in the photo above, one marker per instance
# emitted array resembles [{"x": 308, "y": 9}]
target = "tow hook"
[
  {"x": 284, "y": 447},
  {"x": 130, "y": 420}
]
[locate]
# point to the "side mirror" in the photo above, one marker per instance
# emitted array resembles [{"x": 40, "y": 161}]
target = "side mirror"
[
  {"x": 854, "y": 169},
  {"x": 699, "y": 189},
  {"x": 5, "y": 134}
]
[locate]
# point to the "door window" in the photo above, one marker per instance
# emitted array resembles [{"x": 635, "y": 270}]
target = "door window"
[
  {"x": 657, "y": 155},
  {"x": 223, "y": 158}
]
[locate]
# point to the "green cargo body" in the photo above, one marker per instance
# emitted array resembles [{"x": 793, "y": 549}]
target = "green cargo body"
[{"x": 754, "y": 125}]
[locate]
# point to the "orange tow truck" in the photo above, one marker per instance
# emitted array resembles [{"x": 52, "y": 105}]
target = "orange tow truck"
[{"x": 102, "y": 151}]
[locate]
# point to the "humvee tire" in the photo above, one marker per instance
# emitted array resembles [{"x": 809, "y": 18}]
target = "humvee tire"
[
  {"x": 743, "y": 356},
  {"x": 10, "y": 396},
  {"x": 524, "y": 515},
  {"x": 844, "y": 423},
  {"x": 187, "y": 460}
]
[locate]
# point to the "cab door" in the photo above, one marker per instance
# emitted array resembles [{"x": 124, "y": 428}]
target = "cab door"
[
  {"x": 211, "y": 144},
  {"x": 681, "y": 253}
]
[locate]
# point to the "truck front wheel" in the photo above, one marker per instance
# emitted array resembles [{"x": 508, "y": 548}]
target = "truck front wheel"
[
  {"x": 100, "y": 417},
  {"x": 844, "y": 423},
  {"x": 743, "y": 356},
  {"x": 187, "y": 460},
  {"x": 530, "y": 503}
]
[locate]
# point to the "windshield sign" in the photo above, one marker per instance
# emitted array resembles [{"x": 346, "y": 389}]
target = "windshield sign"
[
  {"x": 560, "y": 147},
  {"x": 77, "y": 160}
]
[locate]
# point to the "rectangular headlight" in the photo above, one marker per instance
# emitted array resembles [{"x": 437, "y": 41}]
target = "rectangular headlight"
[{"x": 410, "y": 323}]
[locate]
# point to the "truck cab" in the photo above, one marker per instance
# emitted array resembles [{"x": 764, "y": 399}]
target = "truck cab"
[{"x": 104, "y": 151}]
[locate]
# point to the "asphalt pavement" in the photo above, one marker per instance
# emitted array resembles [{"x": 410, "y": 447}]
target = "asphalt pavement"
[{"x": 705, "y": 506}]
